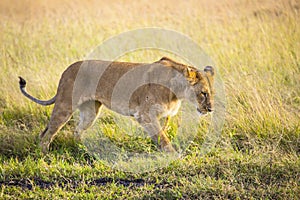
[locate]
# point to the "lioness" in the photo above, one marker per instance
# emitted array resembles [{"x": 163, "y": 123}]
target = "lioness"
[{"x": 154, "y": 91}]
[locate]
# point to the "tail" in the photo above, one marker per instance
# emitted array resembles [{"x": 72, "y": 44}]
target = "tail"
[{"x": 22, "y": 83}]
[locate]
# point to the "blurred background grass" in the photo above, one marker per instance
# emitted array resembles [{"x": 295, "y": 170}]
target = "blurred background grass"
[{"x": 256, "y": 46}]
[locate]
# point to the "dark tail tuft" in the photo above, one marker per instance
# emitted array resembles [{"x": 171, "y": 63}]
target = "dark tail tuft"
[{"x": 22, "y": 82}]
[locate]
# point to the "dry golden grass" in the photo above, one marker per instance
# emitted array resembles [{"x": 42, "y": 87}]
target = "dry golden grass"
[{"x": 255, "y": 44}]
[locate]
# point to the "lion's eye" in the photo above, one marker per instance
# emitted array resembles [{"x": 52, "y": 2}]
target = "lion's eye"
[{"x": 204, "y": 94}]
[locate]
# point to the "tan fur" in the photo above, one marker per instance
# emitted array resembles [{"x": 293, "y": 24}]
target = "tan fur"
[{"x": 147, "y": 104}]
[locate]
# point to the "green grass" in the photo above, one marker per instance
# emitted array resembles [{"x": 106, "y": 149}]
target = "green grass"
[{"x": 256, "y": 47}]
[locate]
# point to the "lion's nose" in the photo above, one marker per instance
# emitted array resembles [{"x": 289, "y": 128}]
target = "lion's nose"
[{"x": 210, "y": 110}]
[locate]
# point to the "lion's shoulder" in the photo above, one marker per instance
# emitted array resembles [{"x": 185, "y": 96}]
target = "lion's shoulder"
[{"x": 168, "y": 62}]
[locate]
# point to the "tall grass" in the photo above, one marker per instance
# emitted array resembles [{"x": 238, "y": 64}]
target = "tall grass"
[{"x": 255, "y": 45}]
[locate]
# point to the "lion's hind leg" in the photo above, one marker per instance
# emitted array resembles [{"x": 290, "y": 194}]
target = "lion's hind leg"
[
  {"x": 89, "y": 112},
  {"x": 59, "y": 117}
]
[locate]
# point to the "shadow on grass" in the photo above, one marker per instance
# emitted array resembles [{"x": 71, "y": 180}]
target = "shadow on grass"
[{"x": 73, "y": 184}]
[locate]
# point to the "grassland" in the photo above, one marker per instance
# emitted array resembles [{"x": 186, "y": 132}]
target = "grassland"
[{"x": 256, "y": 47}]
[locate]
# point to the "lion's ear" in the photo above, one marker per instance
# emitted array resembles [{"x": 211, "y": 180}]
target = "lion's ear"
[
  {"x": 209, "y": 69},
  {"x": 191, "y": 75}
]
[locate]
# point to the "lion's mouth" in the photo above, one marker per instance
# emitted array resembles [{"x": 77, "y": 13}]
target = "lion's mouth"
[{"x": 201, "y": 113}]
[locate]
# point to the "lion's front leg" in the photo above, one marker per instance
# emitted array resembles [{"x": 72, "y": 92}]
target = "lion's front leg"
[
  {"x": 157, "y": 134},
  {"x": 166, "y": 123}
]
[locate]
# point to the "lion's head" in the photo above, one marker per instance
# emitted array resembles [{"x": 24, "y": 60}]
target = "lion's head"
[
  {"x": 200, "y": 81},
  {"x": 202, "y": 84}
]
